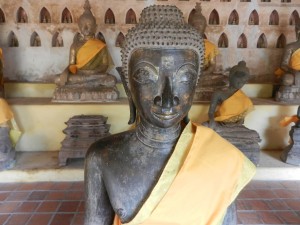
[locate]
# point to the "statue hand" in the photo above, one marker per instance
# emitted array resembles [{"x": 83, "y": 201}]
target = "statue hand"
[{"x": 64, "y": 77}]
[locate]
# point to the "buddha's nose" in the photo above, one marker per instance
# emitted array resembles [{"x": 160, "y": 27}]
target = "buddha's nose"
[{"x": 166, "y": 99}]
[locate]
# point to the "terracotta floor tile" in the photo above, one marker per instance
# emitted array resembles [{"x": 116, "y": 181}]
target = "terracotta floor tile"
[
  {"x": 293, "y": 203},
  {"x": 56, "y": 195},
  {"x": 48, "y": 206},
  {"x": 81, "y": 207},
  {"x": 3, "y": 218},
  {"x": 40, "y": 219},
  {"x": 77, "y": 186},
  {"x": 265, "y": 194},
  {"x": 44, "y": 186},
  {"x": 9, "y": 186},
  {"x": 248, "y": 194},
  {"x": 27, "y": 207},
  {"x": 69, "y": 206},
  {"x": 78, "y": 219},
  {"x": 74, "y": 195},
  {"x": 277, "y": 204},
  {"x": 27, "y": 187},
  {"x": 286, "y": 193},
  {"x": 289, "y": 217},
  {"x": 291, "y": 184},
  {"x": 17, "y": 196},
  {"x": 269, "y": 217},
  {"x": 18, "y": 219},
  {"x": 62, "y": 186},
  {"x": 62, "y": 219},
  {"x": 38, "y": 195},
  {"x": 249, "y": 218},
  {"x": 259, "y": 184},
  {"x": 4, "y": 195},
  {"x": 8, "y": 207},
  {"x": 256, "y": 204}
]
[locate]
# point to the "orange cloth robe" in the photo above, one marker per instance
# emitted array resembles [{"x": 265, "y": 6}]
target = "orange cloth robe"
[
  {"x": 5, "y": 112},
  {"x": 211, "y": 51},
  {"x": 86, "y": 53},
  {"x": 201, "y": 179},
  {"x": 294, "y": 63},
  {"x": 235, "y": 105}
]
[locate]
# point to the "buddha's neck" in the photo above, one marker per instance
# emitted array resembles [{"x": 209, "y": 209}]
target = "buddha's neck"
[{"x": 157, "y": 137}]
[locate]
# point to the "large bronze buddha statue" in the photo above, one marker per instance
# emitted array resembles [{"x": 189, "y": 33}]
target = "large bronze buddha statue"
[
  {"x": 86, "y": 78},
  {"x": 289, "y": 72},
  {"x": 160, "y": 172}
]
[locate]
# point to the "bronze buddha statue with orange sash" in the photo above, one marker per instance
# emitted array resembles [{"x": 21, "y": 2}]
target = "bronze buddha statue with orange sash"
[
  {"x": 86, "y": 78},
  {"x": 161, "y": 172}
]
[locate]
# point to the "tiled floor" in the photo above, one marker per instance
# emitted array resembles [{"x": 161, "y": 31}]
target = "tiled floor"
[{"x": 48, "y": 203}]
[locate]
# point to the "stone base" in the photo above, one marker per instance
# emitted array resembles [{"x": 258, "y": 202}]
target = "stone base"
[
  {"x": 291, "y": 153},
  {"x": 288, "y": 94},
  {"x": 7, "y": 152},
  {"x": 243, "y": 138},
  {"x": 209, "y": 84},
  {"x": 75, "y": 94}
]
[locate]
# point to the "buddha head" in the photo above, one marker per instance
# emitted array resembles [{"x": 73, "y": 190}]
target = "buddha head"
[
  {"x": 197, "y": 20},
  {"x": 161, "y": 57},
  {"x": 87, "y": 22},
  {"x": 239, "y": 75}
]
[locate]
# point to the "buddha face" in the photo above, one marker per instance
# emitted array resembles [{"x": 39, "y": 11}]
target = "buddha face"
[
  {"x": 162, "y": 83},
  {"x": 87, "y": 26}
]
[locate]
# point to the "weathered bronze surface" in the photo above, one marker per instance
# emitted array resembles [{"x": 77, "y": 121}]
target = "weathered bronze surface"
[
  {"x": 81, "y": 132},
  {"x": 161, "y": 60},
  {"x": 289, "y": 91},
  {"x": 90, "y": 83},
  {"x": 233, "y": 129},
  {"x": 291, "y": 153},
  {"x": 209, "y": 81}
]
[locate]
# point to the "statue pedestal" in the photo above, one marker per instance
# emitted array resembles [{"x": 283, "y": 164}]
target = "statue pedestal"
[
  {"x": 243, "y": 138},
  {"x": 291, "y": 153},
  {"x": 82, "y": 131},
  {"x": 288, "y": 94},
  {"x": 208, "y": 84},
  {"x": 7, "y": 152}
]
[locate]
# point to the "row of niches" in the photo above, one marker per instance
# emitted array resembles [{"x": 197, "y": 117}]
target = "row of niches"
[
  {"x": 57, "y": 40},
  {"x": 214, "y": 18}
]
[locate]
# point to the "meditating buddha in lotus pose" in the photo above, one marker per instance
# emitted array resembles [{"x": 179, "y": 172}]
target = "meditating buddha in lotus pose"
[
  {"x": 86, "y": 78},
  {"x": 289, "y": 71},
  {"x": 160, "y": 172}
]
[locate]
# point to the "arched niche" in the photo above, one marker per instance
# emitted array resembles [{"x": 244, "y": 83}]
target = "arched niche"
[
  {"x": 100, "y": 37},
  {"x": 253, "y": 18},
  {"x": 225, "y": 0},
  {"x": 265, "y": 0},
  {"x": 45, "y": 16},
  {"x": 22, "y": 16},
  {"x": 242, "y": 41},
  {"x": 130, "y": 17},
  {"x": 2, "y": 16},
  {"x": 245, "y": 0},
  {"x": 35, "y": 40},
  {"x": 120, "y": 40},
  {"x": 262, "y": 41},
  {"x": 223, "y": 41},
  {"x": 109, "y": 17},
  {"x": 57, "y": 40},
  {"x": 281, "y": 41},
  {"x": 286, "y": 1},
  {"x": 13, "y": 40},
  {"x": 66, "y": 16},
  {"x": 214, "y": 18},
  {"x": 293, "y": 18},
  {"x": 191, "y": 16},
  {"x": 274, "y": 18},
  {"x": 233, "y": 18}
]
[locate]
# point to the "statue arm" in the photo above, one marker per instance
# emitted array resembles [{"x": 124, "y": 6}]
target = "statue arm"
[
  {"x": 98, "y": 207},
  {"x": 215, "y": 101}
]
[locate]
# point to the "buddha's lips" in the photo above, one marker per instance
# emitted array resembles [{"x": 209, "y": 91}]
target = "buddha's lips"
[{"x": 165, "y": 116}]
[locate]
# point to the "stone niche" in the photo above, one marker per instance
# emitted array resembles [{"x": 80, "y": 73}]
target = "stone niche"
[{"x": 36, "y": 35}]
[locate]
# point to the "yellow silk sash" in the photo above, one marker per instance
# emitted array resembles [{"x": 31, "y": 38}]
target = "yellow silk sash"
[
  {"x": 211, "y": 174},
  {"x": 237, "y": 104},
  {"x": 294, "y": 63},
  {"x": 5, "y": 112},
  {"x": 211, "y": 51},
  {"x": 86, "y": 53}
]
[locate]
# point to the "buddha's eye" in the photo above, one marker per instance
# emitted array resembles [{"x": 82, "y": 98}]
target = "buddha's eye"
[
  {"x": 186, "y": 74},
  {"x": 145, "y": 74}
]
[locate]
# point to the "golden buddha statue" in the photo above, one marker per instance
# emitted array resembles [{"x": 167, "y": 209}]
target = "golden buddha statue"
[{"x": 86, "y": 78}]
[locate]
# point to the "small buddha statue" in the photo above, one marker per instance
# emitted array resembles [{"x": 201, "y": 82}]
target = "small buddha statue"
[
  {"x": 86, "y": 78},
  {"x": 210, "y": 81},
  {"x": 228, "y": 109},
  {"x": 289, "y": 71},
  {"x": 161, "y": 172}
]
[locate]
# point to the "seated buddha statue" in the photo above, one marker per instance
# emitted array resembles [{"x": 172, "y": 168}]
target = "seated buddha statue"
[
  {"x": 86, "y": 78},
  {"x": 289, "y": 71},
  {"x": 160, "y": 172},
  {"x": 210, "y": 81},
  {"x": 227, "y": 111}
]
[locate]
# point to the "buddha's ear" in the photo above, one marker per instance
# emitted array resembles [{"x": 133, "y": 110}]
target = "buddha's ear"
[{"x": 132, "y": 107}]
